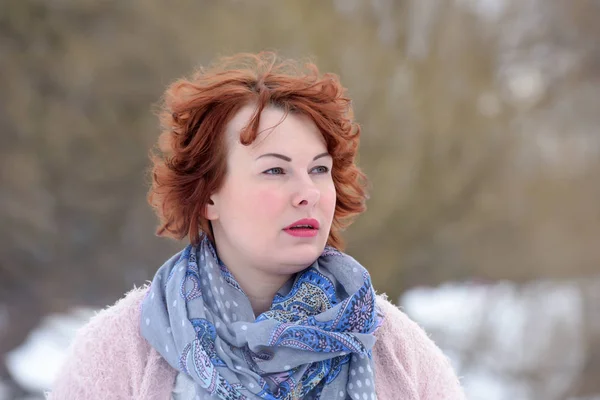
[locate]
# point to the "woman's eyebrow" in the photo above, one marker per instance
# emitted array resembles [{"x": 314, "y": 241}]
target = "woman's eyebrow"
[
  {"x": 286, "y": 158},
  {"x": 326, "y": 154}
]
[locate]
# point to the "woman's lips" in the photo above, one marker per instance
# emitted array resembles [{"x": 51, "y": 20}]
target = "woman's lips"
[
  {"x": 302, "y": 232},
  {"x": 306, "y": 227}
]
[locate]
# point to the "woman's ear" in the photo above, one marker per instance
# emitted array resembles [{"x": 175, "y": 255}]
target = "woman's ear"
[{"x": 211, "y": 211}]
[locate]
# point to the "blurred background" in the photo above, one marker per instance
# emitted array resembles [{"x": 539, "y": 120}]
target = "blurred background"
[{"x": 480, "y": 137}]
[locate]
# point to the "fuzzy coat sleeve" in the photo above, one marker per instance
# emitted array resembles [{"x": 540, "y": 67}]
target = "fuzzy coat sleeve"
[
  {"x": 408, "y": 364},
  {"x": 109, "y": 359}
]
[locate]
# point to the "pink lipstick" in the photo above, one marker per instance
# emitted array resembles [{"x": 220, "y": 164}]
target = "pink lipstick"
[{"x": 307, "y": 227}]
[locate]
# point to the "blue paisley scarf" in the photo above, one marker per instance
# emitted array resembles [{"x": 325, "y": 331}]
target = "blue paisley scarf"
[{"x": 314, "y": 343}]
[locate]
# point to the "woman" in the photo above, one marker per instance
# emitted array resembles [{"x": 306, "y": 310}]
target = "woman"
[{"x": 256, "y": 168}]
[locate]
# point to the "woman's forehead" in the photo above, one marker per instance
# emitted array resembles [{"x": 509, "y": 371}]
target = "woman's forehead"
[{"x": 276, "y": 127}]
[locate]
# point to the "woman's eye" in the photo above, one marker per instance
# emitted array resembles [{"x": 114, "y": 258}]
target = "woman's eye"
[
  {"x": 274, "y": 171},
  {"x": 321, "y": 169}
]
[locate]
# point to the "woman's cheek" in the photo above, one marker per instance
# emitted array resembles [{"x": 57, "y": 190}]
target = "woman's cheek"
[
  {"x": 268, "y": 202},
  {"x": 329, "y": 199}
]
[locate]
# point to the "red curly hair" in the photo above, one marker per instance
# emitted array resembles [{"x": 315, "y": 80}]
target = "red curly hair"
[{"x": 190, "y": 159}]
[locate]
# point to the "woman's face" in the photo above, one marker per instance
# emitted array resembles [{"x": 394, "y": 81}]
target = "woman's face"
[{"x": 281, "y": 178}]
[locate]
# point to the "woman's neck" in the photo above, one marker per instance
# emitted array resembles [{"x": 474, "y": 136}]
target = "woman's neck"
[
  {"x": 260, "y": 286},
  {"x": 260, "y": 305},
  {"x": 259, "y": 290}
]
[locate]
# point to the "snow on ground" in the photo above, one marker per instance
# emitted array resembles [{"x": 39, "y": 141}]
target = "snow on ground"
[
  {"x": 35, "y": 364},
  {"x": 495, "y": 334},
  {"x": 453, "y": 314}
]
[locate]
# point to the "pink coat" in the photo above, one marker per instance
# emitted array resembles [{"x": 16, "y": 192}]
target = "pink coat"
[{"x": 109, "y": 359}]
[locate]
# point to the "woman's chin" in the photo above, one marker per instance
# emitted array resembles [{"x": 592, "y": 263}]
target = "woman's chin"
[{"x": 303, "y": 256}]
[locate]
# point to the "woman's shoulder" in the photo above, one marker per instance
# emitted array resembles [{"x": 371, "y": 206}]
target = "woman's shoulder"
[
  {"x": 115, "y": 329},
  {"x": 408, "y": 360},
  {"x": 397, "y": 325},
  {"x": 121, "y": 317},
  {"x": 400, "y": 334},
  {"x": 106, "y": 354}
]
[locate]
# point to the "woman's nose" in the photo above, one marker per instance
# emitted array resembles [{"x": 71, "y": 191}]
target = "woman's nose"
[{"x": 307, "y": 197}]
